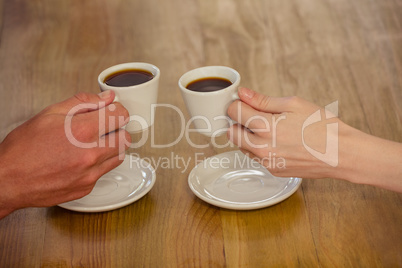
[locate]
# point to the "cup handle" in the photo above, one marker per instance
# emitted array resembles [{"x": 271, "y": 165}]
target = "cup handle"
[
  {"x": 235, "y": 96},
  {"x": 116, "y": 98}
]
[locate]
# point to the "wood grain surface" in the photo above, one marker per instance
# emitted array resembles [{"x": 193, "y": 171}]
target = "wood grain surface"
[{"x": 321, "y": 50}]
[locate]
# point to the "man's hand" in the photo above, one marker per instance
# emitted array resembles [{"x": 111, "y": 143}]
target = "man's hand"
[{"x": 58, "y": 155}]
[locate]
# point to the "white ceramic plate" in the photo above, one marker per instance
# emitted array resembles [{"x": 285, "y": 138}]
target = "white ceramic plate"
[
  {"x": 232, "y": 180},
  {"x": 118, "y": 188}
]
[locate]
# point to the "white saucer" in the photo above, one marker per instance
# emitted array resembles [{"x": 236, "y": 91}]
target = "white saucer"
[
  {"x": 232, "y": 180},
  {"x": 120, "y": 187}
]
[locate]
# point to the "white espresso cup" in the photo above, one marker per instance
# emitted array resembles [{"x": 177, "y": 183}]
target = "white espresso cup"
[
  {"x": 208, "y": 110},
  {"x": 137, "y": 99}
]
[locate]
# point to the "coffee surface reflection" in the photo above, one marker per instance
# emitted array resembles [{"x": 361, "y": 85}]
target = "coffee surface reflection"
[
  {"x": 209, "y": 84},
  {"x": 129, "y": 77}
]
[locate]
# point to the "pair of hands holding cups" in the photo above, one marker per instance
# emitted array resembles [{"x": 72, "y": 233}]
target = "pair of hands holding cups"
[
  {"x": 312, "y": 141},
  {"x": 207, "y": 93},
  {"x": 212, "y": 93},
  {"x": 67, "y": 139}
]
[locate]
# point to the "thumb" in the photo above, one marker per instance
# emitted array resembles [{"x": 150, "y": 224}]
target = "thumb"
[
  {"x": 261, "y": 102},
  {"x": 85, "y": 102}
]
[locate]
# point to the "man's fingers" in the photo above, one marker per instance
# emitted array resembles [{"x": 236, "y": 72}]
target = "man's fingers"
[
  {"x": 111, "y": 118},
  {"x": 110, "y": 164},
  {"x": 84, "y": 102},
  {"x": 114, "y": 143},
  {"x": 102, "y": 121}
]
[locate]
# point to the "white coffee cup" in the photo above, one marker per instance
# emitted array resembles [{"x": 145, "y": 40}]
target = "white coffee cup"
[
  {"x": 137, "y": 99},
  {"x": 208, "y": 110}
]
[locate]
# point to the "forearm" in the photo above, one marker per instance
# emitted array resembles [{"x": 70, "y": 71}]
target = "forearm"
[
  {"x": 4, "y": 210},
  {"x": 7, "y": 205},
  {"x": 366, "y": 159}
]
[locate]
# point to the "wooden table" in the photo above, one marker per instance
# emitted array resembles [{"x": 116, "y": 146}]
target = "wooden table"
[{"x": 321, "y": 50}]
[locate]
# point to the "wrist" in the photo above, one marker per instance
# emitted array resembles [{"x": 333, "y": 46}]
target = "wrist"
[
  {"x": 8, "y": 195},
  {"x": 349, "y": 152},
  {"x": 366, "y": 159},
  {"x": 4, "y": 211}
]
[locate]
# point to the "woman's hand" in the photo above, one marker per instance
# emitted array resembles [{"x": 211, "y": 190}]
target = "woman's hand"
[{"x": 292, "y": 137}]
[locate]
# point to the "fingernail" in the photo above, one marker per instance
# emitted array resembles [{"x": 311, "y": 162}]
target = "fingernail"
[
  {"x": 105, "y": 94},
  {"x": 246, "y": 92}
]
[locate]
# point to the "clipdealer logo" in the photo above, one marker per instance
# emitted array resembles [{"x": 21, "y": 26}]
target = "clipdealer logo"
[{"x": 330, "y": 156}]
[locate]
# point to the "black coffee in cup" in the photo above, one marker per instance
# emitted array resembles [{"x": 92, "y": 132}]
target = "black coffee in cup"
[
  {"x": 209, "y": 84},
  {"x": 129, "y": 77}
]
